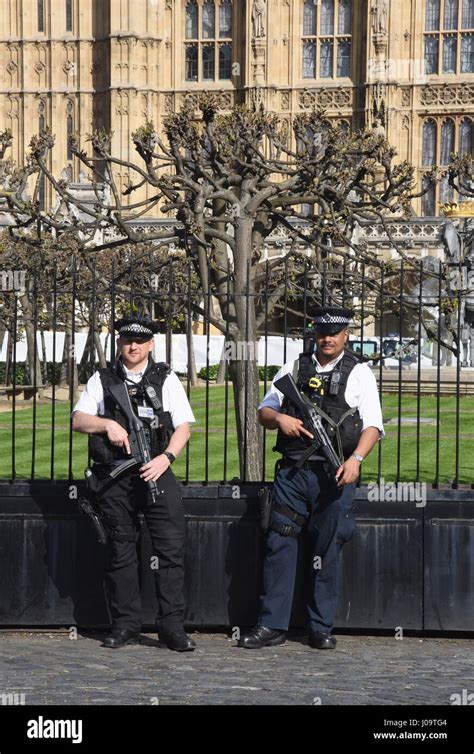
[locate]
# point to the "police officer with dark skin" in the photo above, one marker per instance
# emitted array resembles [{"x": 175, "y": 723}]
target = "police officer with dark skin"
[
  {"x": 344, "y": 392},
  {"x": 119, "y": 500}
]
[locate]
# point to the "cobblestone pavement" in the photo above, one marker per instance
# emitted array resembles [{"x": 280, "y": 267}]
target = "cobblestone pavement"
[{"x": 50, "y": 668}]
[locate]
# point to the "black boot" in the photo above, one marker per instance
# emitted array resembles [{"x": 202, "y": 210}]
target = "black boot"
[
  {"x": 320, "y": 640},
  {"x": 178, "y": 640},
  {"x": 260, "y": 636},
  {"x": 119, "y": 637}
]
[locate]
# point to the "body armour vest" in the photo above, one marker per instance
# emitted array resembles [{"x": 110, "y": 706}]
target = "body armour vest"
[
  {"x": 159, "y": 428},
  {"x": 326, "y": 391}
]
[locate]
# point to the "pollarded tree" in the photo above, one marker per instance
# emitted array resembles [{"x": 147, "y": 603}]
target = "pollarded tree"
[{"x": 229, "y": 180}]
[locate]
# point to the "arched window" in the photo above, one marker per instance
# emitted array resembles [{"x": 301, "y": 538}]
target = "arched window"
[
  {"x": 450, "y": 20},
  {"x": 69, "y": 128},
  {"x": 309, "y": 18},
  {"x": 465, "y": 143},
  {"x": 344, "y": 17},
  {"x": 450, "y": 47},
  {"x": 449, "y": 37},
  {"x": 431, "y": 55},
  {"x": 326, "y": 59},
  {"x": 467, "y": 53},
  {"x": 327, "y": 17},
  {"x": 432, "y": 15},
  {"x": 40, "y": 12},
  {"x": 467, "y": 19},
  {"x": 191, "y": 62},
  {"x": 428, "y": 200},
  {"x": 41, "y": 118},
  {"x": 209, "y": 20},
  {"x": 343, "y": 58},
  {"x": 465, "y": 136},
  {"x": 309, "y": 59},
  {"x": 225, "y": 19},
  {"x": 225, "y": 63},
  {"x": 326, "y": 39},
  {"x": 454, "y": 136},
  {"x": 191, "y": 20},
  {"x": 68, "y": 15},
  {"x": 447, "y": 141},
  {"x": 429, "y": 143},
  {"x": 208, "y": 63}
]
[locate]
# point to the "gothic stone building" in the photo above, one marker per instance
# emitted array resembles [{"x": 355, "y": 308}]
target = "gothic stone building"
[{"x": 405, "y": 66}]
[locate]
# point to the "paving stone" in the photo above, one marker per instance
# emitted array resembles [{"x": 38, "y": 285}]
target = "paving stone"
[{"x": 49, "y": 668}]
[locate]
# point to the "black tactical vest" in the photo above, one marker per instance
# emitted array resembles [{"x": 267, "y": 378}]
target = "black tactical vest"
[
  {"x": 159, "y": 429},
  {"x": 326, "y": 391}
]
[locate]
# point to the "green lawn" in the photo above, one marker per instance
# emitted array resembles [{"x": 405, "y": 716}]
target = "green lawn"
[{"x": 216, "y": 412}]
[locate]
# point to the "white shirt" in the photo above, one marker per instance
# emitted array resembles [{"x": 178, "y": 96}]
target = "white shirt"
[
  {"x": 174, "y": 397},
  {"x": 361, "y": 392}
]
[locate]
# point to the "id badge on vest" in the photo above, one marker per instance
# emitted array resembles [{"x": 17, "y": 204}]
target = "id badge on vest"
[{"x": 145, "y": 412}]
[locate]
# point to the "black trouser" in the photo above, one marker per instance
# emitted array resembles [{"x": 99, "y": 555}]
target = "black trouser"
[
  {"x": 313, "y": 494},
  {"x": 119, "y": 504}
]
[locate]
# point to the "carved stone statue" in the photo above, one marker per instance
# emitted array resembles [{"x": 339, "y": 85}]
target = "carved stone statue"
[
  {"x": 467, "y": 340},
  {"x": 451, "y": 242},
  {"x": 378, "y": 128},
  {"x": 259, "y": 21},
  {"x": 379, "y": 12}
]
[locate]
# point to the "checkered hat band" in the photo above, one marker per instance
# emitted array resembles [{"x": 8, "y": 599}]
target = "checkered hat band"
[
  {"x": 135, "y": 328},
  {"x": 331, "y": 319}
]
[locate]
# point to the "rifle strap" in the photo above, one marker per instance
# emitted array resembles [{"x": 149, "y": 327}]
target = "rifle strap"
[
  {"x": 335, "y": 425},
  {"x": 324, "y": 416},
  {"x": 305, "y": 457}
]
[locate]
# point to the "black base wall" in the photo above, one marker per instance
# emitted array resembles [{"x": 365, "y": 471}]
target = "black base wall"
[{"x": 407, "y": 566}]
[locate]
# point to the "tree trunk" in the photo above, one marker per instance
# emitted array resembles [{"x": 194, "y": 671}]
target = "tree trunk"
[
  {"x": 243, "y": 368},
  {"x": 86, "y": 357},
  {"x": 32, "y": 358},
  {"x": 221, "y": 371},
  {"x": 44, "y": 358},
  {"x": 3, "y": 331},
  {"x": 64, "y": 358},
  {"x": 100, "y": 351},
  {"x": 106, "y": 345},
  {"x": 69, "y": 372},
  {"x": 244, "y": 376},
  {"x": 9, "y": 359}
]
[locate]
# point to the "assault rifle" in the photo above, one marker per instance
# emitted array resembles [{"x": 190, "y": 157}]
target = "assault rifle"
[
  {"x": 138, "y": 437},
  {"x": 311, "y": 421}
]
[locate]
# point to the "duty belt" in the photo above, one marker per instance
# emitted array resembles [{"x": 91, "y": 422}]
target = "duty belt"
[{"x": 316, "y": 463}]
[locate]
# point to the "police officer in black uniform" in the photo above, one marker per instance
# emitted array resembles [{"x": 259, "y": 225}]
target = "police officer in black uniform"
[
  {"x": 344, "y": 392},
  {"x": 166, "y": 410}
]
